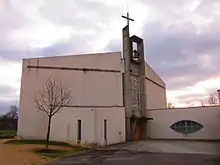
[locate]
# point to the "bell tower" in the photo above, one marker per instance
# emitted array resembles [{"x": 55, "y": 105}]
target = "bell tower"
[{"x": 134, "y": 80}]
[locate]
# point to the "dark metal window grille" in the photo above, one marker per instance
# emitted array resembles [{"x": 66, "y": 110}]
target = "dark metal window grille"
[{"x": 186, "y": 126}]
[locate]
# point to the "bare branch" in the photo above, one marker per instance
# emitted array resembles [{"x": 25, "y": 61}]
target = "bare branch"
[
  {"x": 52, "y": 97},
  {"x": 213, "y": 99},
  {"x": 170, "y": 105},
  {"x": 202, "y": 104},
  {"x": 12, "y": 113}
]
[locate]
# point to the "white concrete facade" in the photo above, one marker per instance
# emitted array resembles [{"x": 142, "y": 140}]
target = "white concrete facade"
[
  {"x": 96, "y": 82},
  {"x": 155, "y": 90},
  {"x": 99, "y": 90},
  {"x": 92, "y": 125},
  {"x": 208, "y": 117}
]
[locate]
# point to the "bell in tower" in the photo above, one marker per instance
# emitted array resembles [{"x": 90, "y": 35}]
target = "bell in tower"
[{"x": 136, "y": 55}]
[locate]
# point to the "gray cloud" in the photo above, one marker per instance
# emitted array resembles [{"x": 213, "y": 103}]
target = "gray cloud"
[
  {"x": 8, "y": 97},
  {"x": 179, "y": 53},
  {"x": 182, "y": 53},
  {"x": 88, "y": 18},
  {"x": 114, "y": 46},
  {"x": 80, "y": 15},
  {"x": 86, "y": 15},
  {"x": 7, "y": 91},
  {"x": 183, "y": 10},
  {"x": 176, "y": 45},
  {"x": 70, "y": 46},
  {"x": 179, "y": 49},
  {"x": 5, "y": 105},
  {"x": 11, "y": 20}
]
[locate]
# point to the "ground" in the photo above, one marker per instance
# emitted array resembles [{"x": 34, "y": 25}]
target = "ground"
[
  {"x": 18, "y": 152},
  {"x": 25, "y": 154},
  {"x": 174, "y": 146},
  {"x": 11, "y": 154},
  {"x": 137, "y": 153},
  {"x": 117, "y": 157}
]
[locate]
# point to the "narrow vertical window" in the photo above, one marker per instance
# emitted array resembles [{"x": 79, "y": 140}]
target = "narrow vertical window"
[
  {"x": 123, "y": 89},
  {"x": 105, "y": 131},
  {"x": 79, "y": 136}
]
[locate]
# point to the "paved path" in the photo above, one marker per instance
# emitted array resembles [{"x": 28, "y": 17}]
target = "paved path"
[
  {"x": 120, "y": 157},
  {"x": 157, "y": 152},
  {"x": 172, "y": 146}
]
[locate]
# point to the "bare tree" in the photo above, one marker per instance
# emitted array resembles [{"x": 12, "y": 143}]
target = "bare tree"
[
  {"x": 12, "y": 113},
  {"x": 202, "y": 104},
  {"x": 50, "y": 99},
  {"x": 213, "y": 99},
  {"x": 170, "y": 105}
]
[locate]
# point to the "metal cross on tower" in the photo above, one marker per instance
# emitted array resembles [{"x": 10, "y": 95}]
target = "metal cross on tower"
[{"x": 128, "y": 19}]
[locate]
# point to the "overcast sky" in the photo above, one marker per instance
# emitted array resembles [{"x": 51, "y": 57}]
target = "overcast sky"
[{"x": 181, "y": 38}]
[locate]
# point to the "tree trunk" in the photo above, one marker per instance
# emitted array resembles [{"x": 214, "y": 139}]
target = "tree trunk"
[{"x": 48, "y": 132}]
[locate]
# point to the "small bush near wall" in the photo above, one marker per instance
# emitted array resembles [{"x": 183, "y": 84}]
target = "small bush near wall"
[
  {"x": 8, "y": 128},
  {"x": 7, "y": 134}
]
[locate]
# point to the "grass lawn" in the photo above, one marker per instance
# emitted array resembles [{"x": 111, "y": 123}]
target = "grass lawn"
[
  {"x": 55, "y": 153},
  {"x": 56, "y": 149},
  {"x": 36, "y": 141},
  {"x": 7, "y": 134}
]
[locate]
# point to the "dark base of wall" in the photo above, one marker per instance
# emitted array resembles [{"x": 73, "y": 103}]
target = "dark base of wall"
[{"x": 202, "y": 140}]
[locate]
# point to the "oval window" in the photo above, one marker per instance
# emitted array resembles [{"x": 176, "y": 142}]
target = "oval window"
[{"x": 186, "y": 126}]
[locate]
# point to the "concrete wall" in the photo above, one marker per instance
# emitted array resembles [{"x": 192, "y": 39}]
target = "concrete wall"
[
  {"x": 155, "y": 90},
  {"x": 64, "y": 125},
  {"x": 90, "y": 88},
  {"x": 159, "y": 127},
  {"x": 151, "y": 74}
]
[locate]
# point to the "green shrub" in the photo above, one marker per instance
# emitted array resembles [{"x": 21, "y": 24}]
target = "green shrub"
[
  {"x": 7, "y": 134},
  {"x": 37, "y": 141}
]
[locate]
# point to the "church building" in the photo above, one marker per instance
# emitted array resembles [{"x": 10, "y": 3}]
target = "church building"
[
  {"x": 107, "y": 90},
  {"x": 116, "y": 97}
]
